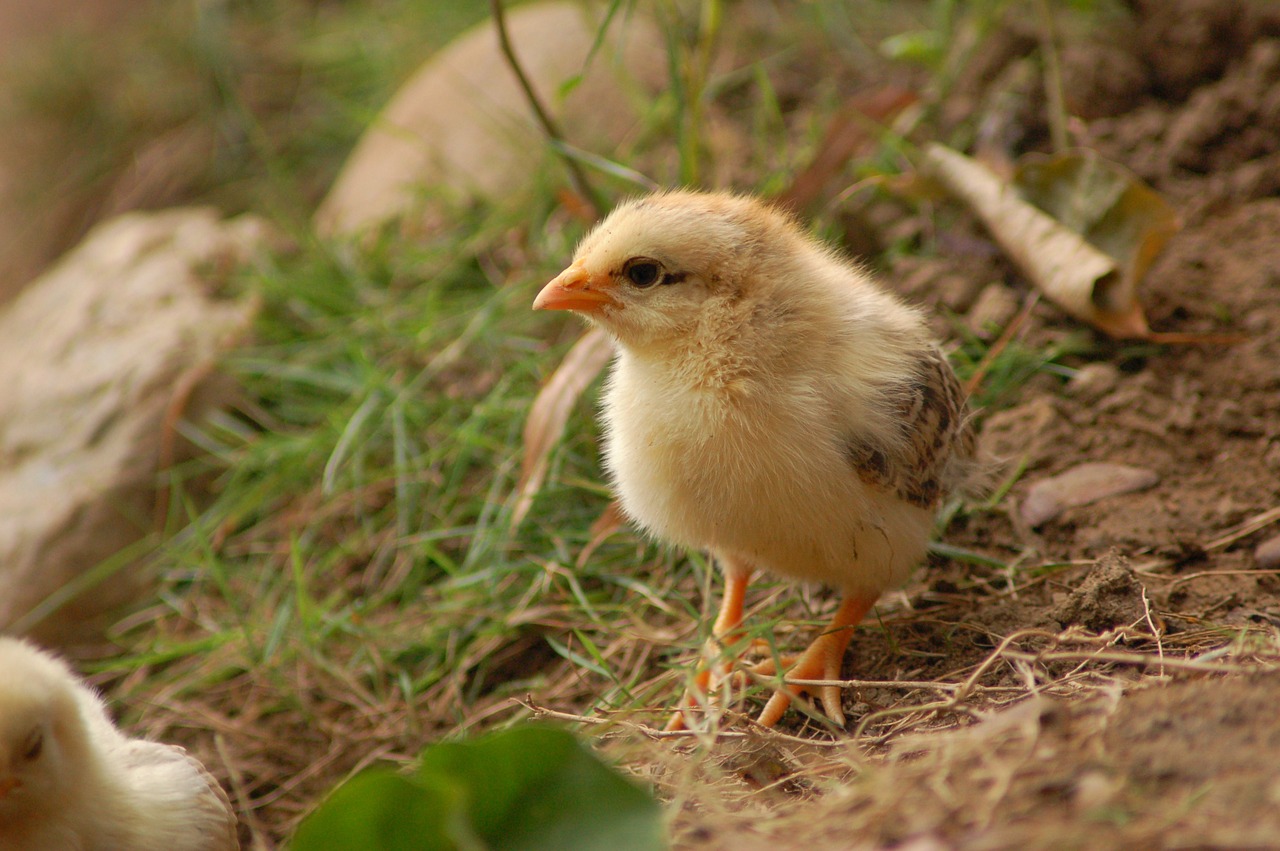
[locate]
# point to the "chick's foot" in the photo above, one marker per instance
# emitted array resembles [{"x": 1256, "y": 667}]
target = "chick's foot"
[{"x": 820, "y": 661}]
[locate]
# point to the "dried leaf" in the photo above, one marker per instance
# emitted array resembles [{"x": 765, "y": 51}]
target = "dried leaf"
[
  {"x": 1106, "y": 204},
  {"x": 1082, "y": 485},
  {"x": 1082, "y": 279},
  {"x": 550, "y": 412}
]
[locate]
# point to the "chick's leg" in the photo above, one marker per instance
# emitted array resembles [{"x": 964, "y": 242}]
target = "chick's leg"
[
  {"x": 724, "y": 631},
  {"x": 821, "y": 661}
]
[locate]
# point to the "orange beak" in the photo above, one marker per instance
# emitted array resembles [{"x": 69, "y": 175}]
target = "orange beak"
[
  {"x": 7, "y": 785},
  {"x": 575, "y": 289}
]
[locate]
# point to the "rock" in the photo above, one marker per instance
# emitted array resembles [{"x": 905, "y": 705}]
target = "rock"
[
  {"x": 463, "y": 128},
  {"x": 1267, "y": 554},
  {"x": 1082, "y": 485},
  {"x": 1093, "y": 381},
  {"x": 92, "y": 355},
  {"x": 1109, "y": 596}
]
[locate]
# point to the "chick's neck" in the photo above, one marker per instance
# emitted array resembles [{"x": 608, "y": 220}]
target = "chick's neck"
[{"x": 722, "y": 353}]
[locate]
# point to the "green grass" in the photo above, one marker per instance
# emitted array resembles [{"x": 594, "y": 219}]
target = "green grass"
[{"x": 363, "y": 492}]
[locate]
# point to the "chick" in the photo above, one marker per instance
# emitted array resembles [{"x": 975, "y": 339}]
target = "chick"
[
  {"x": 769, "y": 403},
  {"x": 70, "y": 780}
]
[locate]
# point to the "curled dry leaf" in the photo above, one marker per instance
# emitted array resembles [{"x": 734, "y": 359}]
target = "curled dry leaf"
[
  {"x": 1087, "y": 254},
  {"x": 550, "y": 412},
  {"x": 1082, "y": 485},
  {"x": 1110, "y": 207}
]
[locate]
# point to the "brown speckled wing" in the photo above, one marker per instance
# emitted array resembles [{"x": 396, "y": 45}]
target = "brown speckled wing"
[{"x": 936, "y": 431}]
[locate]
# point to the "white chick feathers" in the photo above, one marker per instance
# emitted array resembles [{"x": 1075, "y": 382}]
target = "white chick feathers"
[
  {"x": 70, "y": 781},
  {"x": 769, "y": 403}
]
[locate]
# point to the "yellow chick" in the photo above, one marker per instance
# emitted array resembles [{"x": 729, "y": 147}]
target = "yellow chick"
[
  {"x": 769, "y": 403},
  {"x": 70, "y": 781}
]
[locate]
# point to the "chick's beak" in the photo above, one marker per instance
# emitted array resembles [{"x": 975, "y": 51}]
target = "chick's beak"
[{"x": 575, "y": 289}]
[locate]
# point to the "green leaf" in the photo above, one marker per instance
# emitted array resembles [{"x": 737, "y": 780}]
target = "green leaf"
[
  {"x": 384, "y": 810},
  {"x": 540, "y": 788},
  {"x": 566, "y": 88},
  {"x": 527, "y": 789},
  {"x": 922, "y": 47}
]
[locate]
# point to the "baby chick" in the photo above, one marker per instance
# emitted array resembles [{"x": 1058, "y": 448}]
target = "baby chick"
[
  {"x": 769, "y": 403},
  {"x": 70, "y": 780}
]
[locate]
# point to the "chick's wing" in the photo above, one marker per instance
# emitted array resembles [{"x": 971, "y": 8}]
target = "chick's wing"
[{"x": 936, "y": 438}]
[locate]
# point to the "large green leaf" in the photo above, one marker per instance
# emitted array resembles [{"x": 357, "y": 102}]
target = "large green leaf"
[
  {"x": 527, "y": 789},
  {"x": 384, "y": 809}
]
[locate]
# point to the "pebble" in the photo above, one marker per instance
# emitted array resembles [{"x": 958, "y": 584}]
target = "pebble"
[
  {"x": 1093, "y": 381},
  {"x": 1267, "y": 555},
  {"x": 1082, "y": 485}
]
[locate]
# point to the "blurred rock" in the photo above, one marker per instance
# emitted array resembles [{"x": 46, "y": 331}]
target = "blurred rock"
[
  {"x": 1082, "y": 485},
  {"x": 1267, "y": 554},
  {"x": 93, "y": 356},
  {"x": 1093, "y": 381},
  {"x": 463, "y": 128}
]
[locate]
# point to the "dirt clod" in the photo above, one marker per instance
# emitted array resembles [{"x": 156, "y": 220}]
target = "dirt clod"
[{"x": 1109, "y": 596}]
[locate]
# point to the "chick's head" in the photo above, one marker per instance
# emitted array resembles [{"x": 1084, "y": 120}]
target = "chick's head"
[
  {"x": 40, "y": 729},
  {"x": 655, "y": 267}
]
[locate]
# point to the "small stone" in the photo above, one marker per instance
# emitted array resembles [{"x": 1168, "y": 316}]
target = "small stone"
[
  {"x": 92, "y": 354},
  {"x": 1267, "y": 555},
  {"x": 1093, "y": 381},
  {"x": 1082, "y": 485},
  {"x": 1093, "y": 790},
  {"x": 462, "y": 128}
]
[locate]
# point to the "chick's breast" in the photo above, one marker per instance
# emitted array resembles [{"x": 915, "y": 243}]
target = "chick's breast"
[{"x": 757, "y": 469}]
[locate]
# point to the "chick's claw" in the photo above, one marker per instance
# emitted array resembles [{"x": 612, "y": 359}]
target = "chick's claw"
[{"x": 821, "y": 661}]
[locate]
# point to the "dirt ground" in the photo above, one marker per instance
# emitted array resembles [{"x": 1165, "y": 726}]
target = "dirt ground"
[{"x": 1142, "y": 661}]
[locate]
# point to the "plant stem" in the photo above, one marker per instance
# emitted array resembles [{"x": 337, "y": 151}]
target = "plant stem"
[{"x": 576, "y": 176}]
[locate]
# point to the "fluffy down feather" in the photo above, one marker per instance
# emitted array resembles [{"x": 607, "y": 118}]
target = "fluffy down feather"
[{"x": 70, "y": 781}]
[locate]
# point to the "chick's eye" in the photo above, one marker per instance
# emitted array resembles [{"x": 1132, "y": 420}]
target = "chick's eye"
[
  {"x": 644, "y": 273},
  {"x": 33, "y": 746}
]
